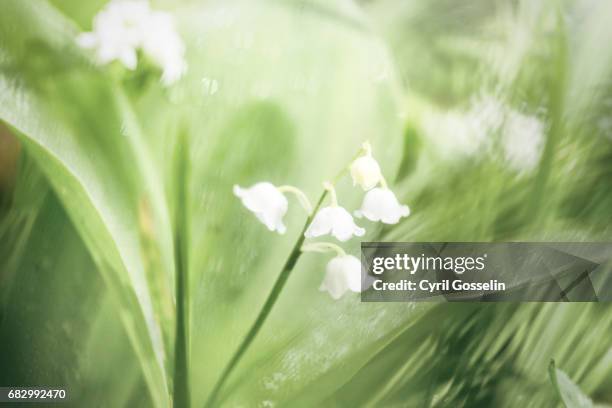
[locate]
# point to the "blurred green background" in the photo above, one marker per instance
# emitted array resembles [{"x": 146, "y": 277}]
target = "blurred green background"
[{"x": 492, "y": 119}]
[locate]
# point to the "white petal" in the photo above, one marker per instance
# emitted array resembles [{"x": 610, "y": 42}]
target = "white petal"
[
  {"x": 365, "y": 171},
  {"x": 173, "y": 72},
  {"x": 344, "y": 227},
  {"x": 334, "y": 283},
  {"x": 352, "y": 272},
  {"x": 87, "y": 40},
  {"x": 267, "y": 203},
  {"x": 128, "y": 59},
  {"x": 342, "y": 273},
  {"x": 164, "y": 46},
  {"x": 336, "y": 221},
  {"x": 321, "y": 224},
  {"x": 380, "y": 204},
  {"x": 523, "y": 141}
]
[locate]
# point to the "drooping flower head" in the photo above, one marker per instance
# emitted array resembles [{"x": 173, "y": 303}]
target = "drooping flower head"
[
  {"x": 334, "y": 220},
  {"x": 365, "y": 170},
  {"x": 267, "y": 203},
  {"x": 380, "y": 204},
  {"x": 122, "y": 28},
  {"x": 343, "y": 273}
]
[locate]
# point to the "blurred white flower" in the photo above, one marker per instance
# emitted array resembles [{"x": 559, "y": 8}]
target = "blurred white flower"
[
  {"x": 489, "y": 123},
  {"x": 123, "y": 27},
  {"x": 117, "y": 32},
  {"x": 521, "y": 136},
  {"x": 467, "y": 133},
  {"x": 380, "y": 204},
  {"x": 486, "y": 116},
  {"x": 164, "y": 46},
  {"x": 365, "y": 170},
  {"x": 267, "y": 203},
  {"x": 336, "y": 221},
  {"x": 342, "y": 273},
  {"x": 523, "y": 141}
]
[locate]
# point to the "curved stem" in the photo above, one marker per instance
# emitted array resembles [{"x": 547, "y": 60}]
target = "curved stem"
[
  {"x": 265, "y": 310},
  {"x": 302, "y": 198},
  {"x": 332, "y": 191},
  {"x": 323, "y": 247},
  {"x": 383, "y": 183},
  {"x": 278, "y": 286},
  {"x": 366, "y": 148}
]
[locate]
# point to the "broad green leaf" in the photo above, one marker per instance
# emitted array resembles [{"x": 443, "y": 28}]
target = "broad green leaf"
[
  {"x": 57, "y": 314},
  {"x": 79, "y": 129}
]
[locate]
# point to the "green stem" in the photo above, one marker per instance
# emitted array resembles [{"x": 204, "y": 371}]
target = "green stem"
[
  {"x": 323, "y": 247},
  {"x": 265, "y": 310},
  {"x": 332, "y": 192},
  {"x": 181, "y": 397}
]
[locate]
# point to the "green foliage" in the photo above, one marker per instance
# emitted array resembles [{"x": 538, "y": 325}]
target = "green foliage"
[
  {"x": 569, "y": 392},
  {"x": 90, "y": 241}
]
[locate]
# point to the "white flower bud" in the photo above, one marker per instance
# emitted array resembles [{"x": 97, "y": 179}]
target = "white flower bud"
[{"x": 365, "y": 171}]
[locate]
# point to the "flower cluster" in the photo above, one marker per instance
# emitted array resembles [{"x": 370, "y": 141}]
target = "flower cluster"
[
  {"x": 269, "y": 204},
  {"x": 123, "y": 28}
]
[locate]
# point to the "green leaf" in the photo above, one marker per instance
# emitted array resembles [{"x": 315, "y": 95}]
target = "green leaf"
[
  {"x": 57, "y": 315},
  {"x": 79, "y": 129},
  {"x": 568, "y": 391}
]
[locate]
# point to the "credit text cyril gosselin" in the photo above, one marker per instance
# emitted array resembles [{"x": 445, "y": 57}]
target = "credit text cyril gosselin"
[{"x": 412, "y": 264}]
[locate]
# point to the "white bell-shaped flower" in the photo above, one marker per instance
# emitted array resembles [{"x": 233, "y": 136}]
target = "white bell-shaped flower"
[
  {"x": 380, "y": 204},
  {"x": 267, "y": 203},
  {"x": 343, "y": 273},
  {"x": 365, "y": 170},
  {"x": 336, "y": 221}
]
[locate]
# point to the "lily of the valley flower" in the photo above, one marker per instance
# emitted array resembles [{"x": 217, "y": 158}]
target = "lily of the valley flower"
[
  {"x": 365, "y": 170},
  {"x": 343, "y": 273},
  {"x": 333, "y": 220},
  {"x": 123, "y": 28},
  {"x": 267, "y": 203},
  {"x": 336, "y": 221},
  {"x": 380, "y": 204}
]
